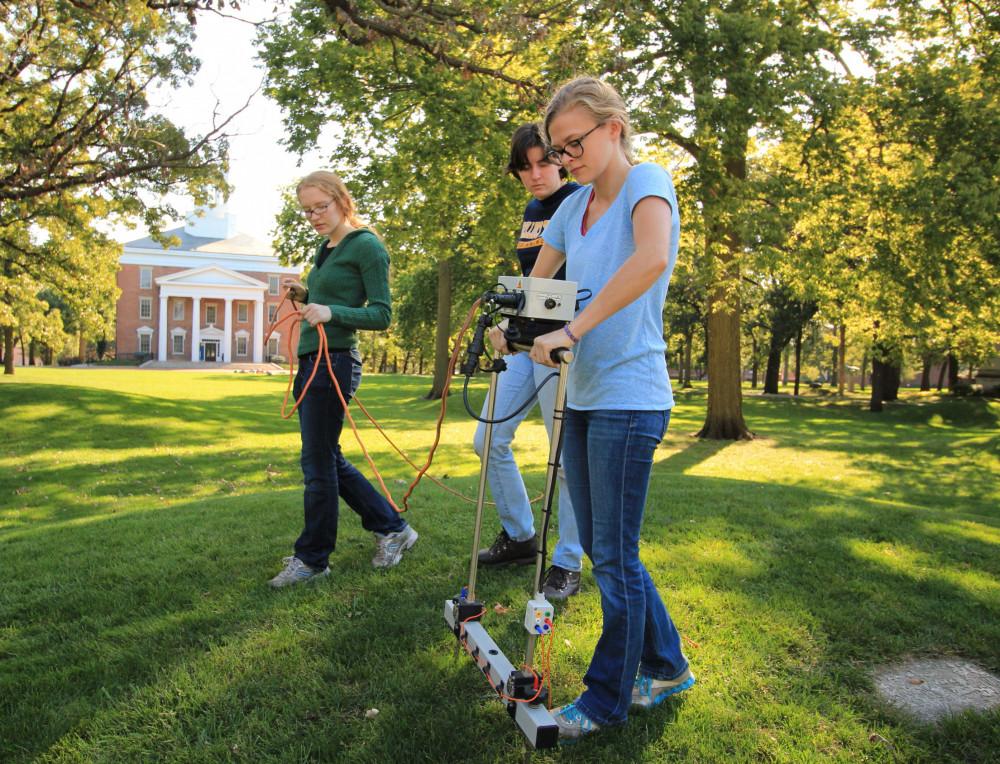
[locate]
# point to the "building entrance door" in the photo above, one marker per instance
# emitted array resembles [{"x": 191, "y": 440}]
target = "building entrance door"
[{"x": 210, "y": 350}]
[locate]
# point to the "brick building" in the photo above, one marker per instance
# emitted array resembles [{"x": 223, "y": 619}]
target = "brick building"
[{"x": 209, "y": 298}]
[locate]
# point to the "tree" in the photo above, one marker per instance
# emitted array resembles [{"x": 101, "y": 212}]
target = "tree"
[
  {"x": 81, "y": 144},
  {"x": 703, "y": 77},
  {"x": 428, "y": 169}
]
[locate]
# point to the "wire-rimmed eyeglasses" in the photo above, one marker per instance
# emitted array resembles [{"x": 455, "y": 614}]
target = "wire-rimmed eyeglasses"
[{"x": 319, "y": 209}]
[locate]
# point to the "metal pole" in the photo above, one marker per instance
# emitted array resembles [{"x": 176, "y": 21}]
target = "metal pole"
[
  {"x": 551, "y": 476},
  {"x": 481, "y": 498}
]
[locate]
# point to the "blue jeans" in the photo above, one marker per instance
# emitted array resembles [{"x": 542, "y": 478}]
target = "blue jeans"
[
  {"x": 328, "y": 476},
  {"x": 608, "y": 456},
  {"x": 514, "y": 387}
]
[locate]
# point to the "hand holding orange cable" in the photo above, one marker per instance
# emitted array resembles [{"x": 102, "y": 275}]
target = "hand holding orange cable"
[
  {"x": 313, "y": 313},
  {"x": 296, "y": 294}
]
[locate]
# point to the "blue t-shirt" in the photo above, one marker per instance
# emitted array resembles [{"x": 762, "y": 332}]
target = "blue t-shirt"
[{"x": 620, "y": 363}]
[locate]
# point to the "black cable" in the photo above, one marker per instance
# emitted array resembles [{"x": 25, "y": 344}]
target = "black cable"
[{"x": 531, "y": 399}]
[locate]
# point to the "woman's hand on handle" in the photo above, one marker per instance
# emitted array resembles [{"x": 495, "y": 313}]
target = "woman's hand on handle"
[
  {"x": 498, "y": 340},
  {"x": 541, "y": 350},
  {"x": 296, "y": 291},
  {"x": 316, "y": 314}
]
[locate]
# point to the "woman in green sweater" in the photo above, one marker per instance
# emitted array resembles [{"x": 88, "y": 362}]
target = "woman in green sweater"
[{"x": 348, "y": 289}]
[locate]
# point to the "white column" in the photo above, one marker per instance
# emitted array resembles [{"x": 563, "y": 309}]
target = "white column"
[
  {"x": 227, "y": 339},
  {"x": 195, "y": 327},
  {"x": 161, "y": 331},
  {"x": 258, "y": 330}
]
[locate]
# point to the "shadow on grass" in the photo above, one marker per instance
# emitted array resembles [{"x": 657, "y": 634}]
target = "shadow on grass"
[
  {"x": 149, "y": 633},
  {"x": 824, "y": 588},
  {"x": 105, "y": 419},
  {"x": 896, "y": 445}
]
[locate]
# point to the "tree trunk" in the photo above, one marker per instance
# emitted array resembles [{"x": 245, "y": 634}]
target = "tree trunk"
[
  {"x": 83, "y": 349},
  {"x": 842, "y": 361},
  {"x": 24, "y": 353},
  {"x": 784, "y": 375},
  {"x": 773, "y": 370},
  {"x": 8, "y": 350},
  {"x": 406, "y": 360},
  {"x": 798, "y": 358},
  {"x": 384, "y": 363},
  {"x": 952, "y": 371},
  {"x": 688, "y": 342},
  {"x": 925, "y": 374},
  {"x": 755, "y": 363},
  {"x": 890, "y": 381},
  {"x": 725, "y": 395},
  {"x": 941, "y": 373},
  {"x": 864, "y": 369},
  {"x": 875, "y": 403},
  {"x": 442, "y": 330}
]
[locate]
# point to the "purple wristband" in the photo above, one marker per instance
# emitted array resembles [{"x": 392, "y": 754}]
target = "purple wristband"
[{"x": 569, "y": 333}]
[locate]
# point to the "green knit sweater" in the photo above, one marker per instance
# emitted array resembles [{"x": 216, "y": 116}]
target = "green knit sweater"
[{"x": 354, "y": 282}]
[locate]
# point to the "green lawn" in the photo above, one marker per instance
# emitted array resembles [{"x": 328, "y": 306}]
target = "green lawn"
[{"x": 143, "y": 512}]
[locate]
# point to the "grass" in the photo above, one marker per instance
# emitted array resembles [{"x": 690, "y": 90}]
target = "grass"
[{"x": 142, "y": 513}]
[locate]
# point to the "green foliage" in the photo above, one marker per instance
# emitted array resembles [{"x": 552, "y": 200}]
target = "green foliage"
[
  {"x": 872, "y": 194},
  {"x": 81, "y": 144}
]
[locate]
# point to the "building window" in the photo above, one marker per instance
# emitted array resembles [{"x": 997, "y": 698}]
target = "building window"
[
  {"x": 272, "y": 346},
  {"x": 241, "y": 312},
  {"x": 178, "y": 344},
  {"x": 272, "y": 313},
  {"x": 210, "y": 314},
  {"x": 146, "y": 307},
  {"x": 273, "y": 285},
  {"x": 145, "y": 278},
  {"x": 241, "y": 345},
  {"x": 144, "y": 342},
  {"x": 178, "y": 310}
]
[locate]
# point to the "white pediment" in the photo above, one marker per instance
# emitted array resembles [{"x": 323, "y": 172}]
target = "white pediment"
[{"x": 210, "y": 276}]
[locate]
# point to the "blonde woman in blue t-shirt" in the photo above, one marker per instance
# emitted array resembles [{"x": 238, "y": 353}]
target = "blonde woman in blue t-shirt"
[{"x": 618, "y": 236}]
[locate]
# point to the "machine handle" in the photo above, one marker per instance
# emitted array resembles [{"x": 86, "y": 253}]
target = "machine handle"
[{"x": 562, "y": 354}]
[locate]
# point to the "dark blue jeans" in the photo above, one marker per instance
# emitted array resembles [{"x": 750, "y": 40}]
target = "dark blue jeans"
[
  {"x": 607, "y": 456},
  {"x": 328, "y": 476}
]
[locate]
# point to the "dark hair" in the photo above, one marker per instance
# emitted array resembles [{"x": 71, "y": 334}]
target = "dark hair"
[{"x": 525, "y": 138}]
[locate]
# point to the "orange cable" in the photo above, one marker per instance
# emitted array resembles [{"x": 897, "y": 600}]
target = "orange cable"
[{"x": 324, "y": 351}]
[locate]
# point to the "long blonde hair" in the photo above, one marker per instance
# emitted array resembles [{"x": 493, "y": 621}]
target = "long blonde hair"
[
  {"x": 597, "y": 97},
  {"x": 331, "y": 183}
]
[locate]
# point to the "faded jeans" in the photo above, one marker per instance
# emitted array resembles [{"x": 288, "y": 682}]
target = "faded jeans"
[
  {"x": 608, "y": 456},
  {"x": 514, "y": 386}
]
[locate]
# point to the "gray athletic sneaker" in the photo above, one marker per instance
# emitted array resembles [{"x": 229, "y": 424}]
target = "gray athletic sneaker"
[
  {"x": 390, "y": 547},
  {"x": 296, "y": 572},
  {"x": 573, "y": 723},
  {"x": 648, "y": 692}
]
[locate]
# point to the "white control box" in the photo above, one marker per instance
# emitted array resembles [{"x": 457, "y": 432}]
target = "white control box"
[
  {"x": 549, "y": 299},
  {"x": 538, "y": 616}
]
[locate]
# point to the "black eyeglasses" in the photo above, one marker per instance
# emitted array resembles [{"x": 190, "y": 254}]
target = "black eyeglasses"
[
  {"x": 573, "y": 149},
  {"x": 319, "y": 209}
]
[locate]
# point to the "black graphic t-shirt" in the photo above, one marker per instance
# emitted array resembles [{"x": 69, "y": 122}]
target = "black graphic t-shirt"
[{"x": 536, "y": 216}]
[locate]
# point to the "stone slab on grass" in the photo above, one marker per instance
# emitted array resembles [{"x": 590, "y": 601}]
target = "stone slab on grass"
[{"x": 932, "y": 688}]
